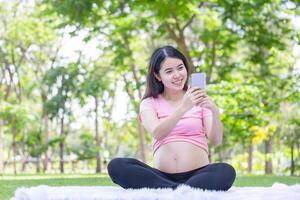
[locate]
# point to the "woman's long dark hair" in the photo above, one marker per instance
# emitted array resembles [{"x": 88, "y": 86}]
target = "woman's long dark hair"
[{"x": 155, "y": 87}]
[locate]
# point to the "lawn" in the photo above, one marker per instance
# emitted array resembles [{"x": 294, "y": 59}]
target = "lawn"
[{"x": 9, "y": 183}]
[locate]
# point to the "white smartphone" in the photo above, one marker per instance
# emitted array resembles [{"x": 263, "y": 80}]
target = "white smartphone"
[{"x": 198, "y": 79}]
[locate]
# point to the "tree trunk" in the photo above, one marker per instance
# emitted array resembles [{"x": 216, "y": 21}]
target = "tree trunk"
[
  {"x": 105, "y": 139},
  {"x": 222, "y": 155},
  {"x": 184, "y": 49},
  {"x": 142, "y": 142},
  {"x": 98, "y": 158},
  {"x": 292, "y": 160},
  {"x": 14, "y": 147},
  {"x": 268, "y": 158},
  {"x": 46, "y": 140},
  {"x": 210, "y": 155},
  {"x": 1, "y": 149},
  {"x": 24, "y": 157},
  {"x": 180, "y": 41},
  {"x": 140, "y": 129},
  {"x": 250, "y": 156},
  {"x": 38, "y": 168},
  {"x": 61, "y": 145}
]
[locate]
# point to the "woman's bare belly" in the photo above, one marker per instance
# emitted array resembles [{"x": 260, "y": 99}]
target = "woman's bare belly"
[{"x": 176, "y": 157}]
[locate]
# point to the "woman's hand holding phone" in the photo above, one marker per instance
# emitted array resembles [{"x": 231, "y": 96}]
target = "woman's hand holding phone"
[
  {"x": 195, "y": 96},
  {"x": 192, "y": 97},
  {"x": 198, "y": 95}
]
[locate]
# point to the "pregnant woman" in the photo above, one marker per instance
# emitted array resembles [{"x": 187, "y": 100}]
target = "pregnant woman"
[{"x": 179, "y": 118}]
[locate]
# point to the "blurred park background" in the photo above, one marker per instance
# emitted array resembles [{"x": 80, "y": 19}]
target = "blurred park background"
[{"x": 72, "y": 75}]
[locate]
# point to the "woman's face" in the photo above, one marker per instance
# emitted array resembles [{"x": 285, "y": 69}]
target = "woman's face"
[{"x": 173, "y": 74}]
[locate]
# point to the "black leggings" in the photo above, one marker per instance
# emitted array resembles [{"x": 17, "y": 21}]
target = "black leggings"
[{"x": 132, "y": 173}]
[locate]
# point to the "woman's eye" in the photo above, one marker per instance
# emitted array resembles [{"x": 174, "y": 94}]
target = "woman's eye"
[
  {"x": 168, "y": 72},
  {"x": 180, "y": 68}
]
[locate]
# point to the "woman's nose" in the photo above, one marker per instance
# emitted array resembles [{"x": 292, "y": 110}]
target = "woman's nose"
[{"x": 176, "y": 74}]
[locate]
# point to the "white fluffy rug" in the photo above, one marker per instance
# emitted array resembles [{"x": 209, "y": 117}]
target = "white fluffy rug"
[{"x": 277, "y": 191}]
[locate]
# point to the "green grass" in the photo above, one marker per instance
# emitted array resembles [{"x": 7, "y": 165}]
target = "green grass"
[
  {"x": 264, "y": 180},
  {"x": 9, "y": 183}
]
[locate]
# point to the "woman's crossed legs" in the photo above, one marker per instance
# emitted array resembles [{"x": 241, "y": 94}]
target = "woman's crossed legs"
[{"x": 132, "y": 173}]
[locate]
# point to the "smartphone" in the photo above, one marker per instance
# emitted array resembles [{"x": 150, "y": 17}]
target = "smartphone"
[{"x": 198, "y": 79}]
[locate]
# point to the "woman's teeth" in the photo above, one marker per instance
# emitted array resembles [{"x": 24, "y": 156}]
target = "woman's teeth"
[{"x": 177, "y": 82}]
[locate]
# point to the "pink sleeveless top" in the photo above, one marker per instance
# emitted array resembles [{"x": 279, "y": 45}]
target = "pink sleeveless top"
[{"x": 190, "y": 128}]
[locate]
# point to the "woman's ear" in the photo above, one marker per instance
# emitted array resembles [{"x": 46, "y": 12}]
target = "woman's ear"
[{"x": 157, "y": 77}]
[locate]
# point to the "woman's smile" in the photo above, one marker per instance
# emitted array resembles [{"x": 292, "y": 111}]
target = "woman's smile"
[{"x": 177, "y": 82}]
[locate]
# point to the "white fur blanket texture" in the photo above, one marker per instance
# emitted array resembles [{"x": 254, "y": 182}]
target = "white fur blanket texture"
[{"x": 278, "y": 191}]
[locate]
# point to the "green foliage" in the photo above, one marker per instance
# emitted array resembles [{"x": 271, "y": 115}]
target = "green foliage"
[
  {"x": 62, "y": 83},
  {"x": 14, "y": 116},
  {"x": 87, "y": 148},
  {"x": 243, "y": 46},
  {"x": 240, "y": 109},
  {"x": 34, "y": 142}
]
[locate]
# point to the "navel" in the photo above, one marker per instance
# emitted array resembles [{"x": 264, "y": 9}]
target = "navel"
[{"x": 175, "y": 158}]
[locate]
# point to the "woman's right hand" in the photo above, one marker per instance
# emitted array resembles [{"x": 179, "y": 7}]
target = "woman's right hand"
[{"x": 192, "y": 97}]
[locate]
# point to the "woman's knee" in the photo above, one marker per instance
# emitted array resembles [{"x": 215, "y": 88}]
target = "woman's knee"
[
  {"x": 118, "y": 165},
  {"x": 115, "y": 166},
  {"x": 228, "y": 175},
  {"x": 230, "y": 171}
]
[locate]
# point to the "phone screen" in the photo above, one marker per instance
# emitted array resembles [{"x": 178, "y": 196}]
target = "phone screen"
[{"x": 198, "y": 79}]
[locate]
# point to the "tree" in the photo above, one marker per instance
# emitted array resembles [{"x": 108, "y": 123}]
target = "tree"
[
  {"x": 244, "y": 43},
  {"x": 62, "y": 83},
  {"x": 14, "y": 117},
  {"x": 24, "y": 40},
  {"x": 99, "y": 84}
]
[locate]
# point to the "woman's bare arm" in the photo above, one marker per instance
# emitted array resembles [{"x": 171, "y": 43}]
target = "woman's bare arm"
[
  {"x": 214, "y": 128},
  {"x": 158, "y": 129}
]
